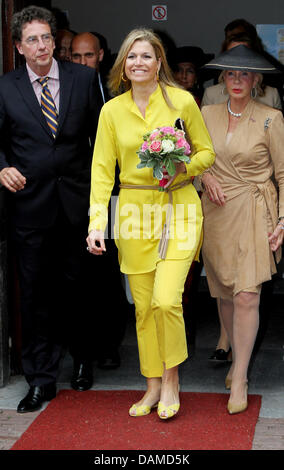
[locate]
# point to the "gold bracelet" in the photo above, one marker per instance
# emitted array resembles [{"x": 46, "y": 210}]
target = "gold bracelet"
[
  {"x": 200, "y": 178},
  {"x": 208, "y": 170}
]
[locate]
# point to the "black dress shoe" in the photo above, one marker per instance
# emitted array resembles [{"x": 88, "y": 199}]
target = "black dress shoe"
[
  {"x": 35, "y": 398},
  {"x": 220, "y": 355},
  {"x": 109, "y": 361},
  {"x": 82, "y": 378}
]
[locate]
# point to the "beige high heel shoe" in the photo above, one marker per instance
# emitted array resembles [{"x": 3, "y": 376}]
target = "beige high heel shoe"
[
  {"x": 234, "y": 408},
  {"x": 228, "y": 380},
  {"x": 228, "y": 383}
]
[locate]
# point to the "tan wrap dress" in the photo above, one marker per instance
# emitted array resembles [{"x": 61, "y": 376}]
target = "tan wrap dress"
[{"x": 236, "y": 251}]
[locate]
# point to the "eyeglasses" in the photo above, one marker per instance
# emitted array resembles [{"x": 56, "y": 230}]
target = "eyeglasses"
[{"x": 34, "y": 40}]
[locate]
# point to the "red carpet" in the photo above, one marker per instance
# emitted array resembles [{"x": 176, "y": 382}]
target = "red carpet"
[{"x": 99, "y": 420}]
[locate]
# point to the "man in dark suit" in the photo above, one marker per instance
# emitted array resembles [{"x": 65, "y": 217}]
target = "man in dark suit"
[{"x": 47, "y": 134}]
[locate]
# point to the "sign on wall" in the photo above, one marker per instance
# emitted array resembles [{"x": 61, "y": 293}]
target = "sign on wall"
[
  {"x": 159, "y": 12},
  {"x": 272, "y": 36}
]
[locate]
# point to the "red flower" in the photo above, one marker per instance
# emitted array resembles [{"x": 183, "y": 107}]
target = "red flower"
[{"x": 163, "y": 182}]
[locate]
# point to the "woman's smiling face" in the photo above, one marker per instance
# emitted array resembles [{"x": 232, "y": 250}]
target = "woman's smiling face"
[{"x": 142, "y": 65}]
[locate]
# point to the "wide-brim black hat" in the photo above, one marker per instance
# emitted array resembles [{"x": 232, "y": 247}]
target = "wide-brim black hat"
[
  {"x": 193, "y": 54},
  {"x": 242, "y": 58}
]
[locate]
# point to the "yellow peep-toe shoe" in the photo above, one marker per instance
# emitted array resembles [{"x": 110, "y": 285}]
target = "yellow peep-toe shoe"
[
  {"x": 141, "y": 410},
  {"x": 169, "y": 411}
]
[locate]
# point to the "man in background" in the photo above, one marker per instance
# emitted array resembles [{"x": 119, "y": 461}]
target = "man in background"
[
  {"x": 63, "y": 44},
  {"x": 86, "y": 50}
]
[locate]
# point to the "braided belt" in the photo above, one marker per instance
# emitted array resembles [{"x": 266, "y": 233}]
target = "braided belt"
[{"x": 163, "y": 245}]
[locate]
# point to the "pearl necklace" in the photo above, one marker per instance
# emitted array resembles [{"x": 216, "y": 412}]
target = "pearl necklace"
[{"x": 237, "y": 115}]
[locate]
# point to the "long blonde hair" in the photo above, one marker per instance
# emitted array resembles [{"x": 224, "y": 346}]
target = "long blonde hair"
[{"x": 119, "y": 83}]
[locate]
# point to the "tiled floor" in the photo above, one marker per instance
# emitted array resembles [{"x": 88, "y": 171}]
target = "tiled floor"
[{"x": 196, "y": 374}]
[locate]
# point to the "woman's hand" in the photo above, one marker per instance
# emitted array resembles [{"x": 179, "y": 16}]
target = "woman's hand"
[
  {"x": 180, "y": 168},
  {"x": 213, "y": 189},
  {"x": 96, "y": 242},
  {"x": 276, "y": 238}
]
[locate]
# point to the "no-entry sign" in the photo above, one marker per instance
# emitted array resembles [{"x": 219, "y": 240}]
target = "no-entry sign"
[{"x": 159, "y": 12}]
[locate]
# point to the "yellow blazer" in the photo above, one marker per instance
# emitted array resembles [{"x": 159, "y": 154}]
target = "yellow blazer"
[{"x": 120, "y": 133}]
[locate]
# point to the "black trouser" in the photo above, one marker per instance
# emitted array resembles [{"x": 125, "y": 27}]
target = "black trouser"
[
  {"x": 53, "y": 302},
  {"x": 68, "y": 298},
  {"x": 108, "y": 300}
]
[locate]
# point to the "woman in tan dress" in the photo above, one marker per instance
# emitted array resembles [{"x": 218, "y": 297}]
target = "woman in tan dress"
[
  {"x": 217, "y": 94},
  {"x": 243, "y": 222}
]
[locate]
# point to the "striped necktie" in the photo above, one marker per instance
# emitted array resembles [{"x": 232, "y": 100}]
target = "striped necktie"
[{"x": 48, "y": 106}]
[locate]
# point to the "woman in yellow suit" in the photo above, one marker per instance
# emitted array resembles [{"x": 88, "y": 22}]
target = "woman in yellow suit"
[{"x": 156, "y": 276}]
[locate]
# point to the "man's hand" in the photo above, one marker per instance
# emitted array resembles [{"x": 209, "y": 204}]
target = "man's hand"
[{"x": 12, "y": 179}]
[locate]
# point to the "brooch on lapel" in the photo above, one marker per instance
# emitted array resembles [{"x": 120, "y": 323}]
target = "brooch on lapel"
[{"x": 266, "y": 123}]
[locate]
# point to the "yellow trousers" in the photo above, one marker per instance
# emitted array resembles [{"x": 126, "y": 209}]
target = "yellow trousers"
[{"x": 159, "y": 315}]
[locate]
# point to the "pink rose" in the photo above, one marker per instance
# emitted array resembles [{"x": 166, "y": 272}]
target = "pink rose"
[
  {"x": 155, "y": 146},
  {"x": 179, "y": 133},
  {"x": 144, "y": 146},
  {"x": 187, "y": 148},
  {"x": 154, "y": 135},
  {"x": 168, "y": 130},
  {"x": 180, "y": 143},
  {"x": 183, "y": 143}
]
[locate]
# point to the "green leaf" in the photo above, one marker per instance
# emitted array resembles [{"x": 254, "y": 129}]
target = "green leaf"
[
  {"x": 142, "y": 156},
  {"x": 141, "y": 165},
  {"x": 179, "y": 151},
  {"x": 155, "y": 155},
  {"x": 170, "y": 167},
  {"x": 143, "y": 161},
  {"x": 157, "y": 173},
  {"x": 184, "y": 158},
  {"x": 151, "y": 163}
]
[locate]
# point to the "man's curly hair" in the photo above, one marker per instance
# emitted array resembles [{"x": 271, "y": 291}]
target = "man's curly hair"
[{"x": 29, "y": 14}]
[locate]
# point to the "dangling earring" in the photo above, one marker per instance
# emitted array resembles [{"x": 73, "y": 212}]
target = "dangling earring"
[
  {"x": 224, "y": 90},
  {"x": 253, "y": 92},
  {"x": 157, "y": 75},
  {"x": 122, "y": 77}
]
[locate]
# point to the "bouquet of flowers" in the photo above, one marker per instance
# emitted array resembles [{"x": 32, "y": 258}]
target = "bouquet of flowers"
[{"x": 160, "y": 149}]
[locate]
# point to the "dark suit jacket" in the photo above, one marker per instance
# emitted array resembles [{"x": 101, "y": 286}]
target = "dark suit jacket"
[{"x": 57, "y": 170}]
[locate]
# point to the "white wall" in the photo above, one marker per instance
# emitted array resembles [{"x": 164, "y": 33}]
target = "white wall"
[{"x": 199, "y": 22}]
